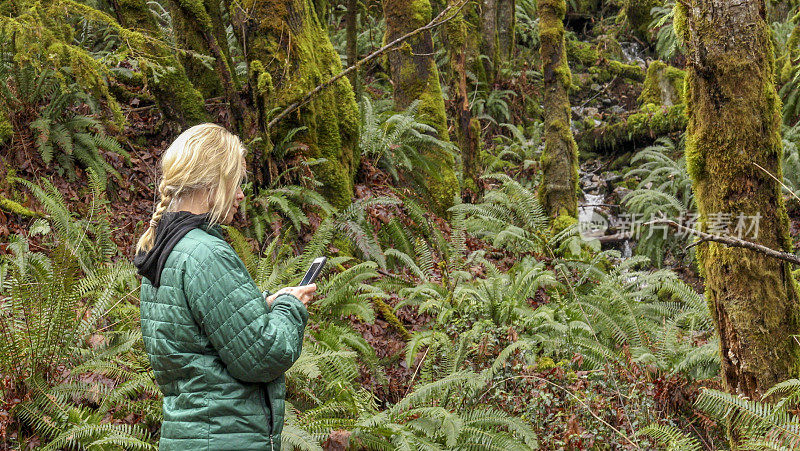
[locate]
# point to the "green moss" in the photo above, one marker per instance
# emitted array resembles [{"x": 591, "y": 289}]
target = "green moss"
[
  {"x": 17, "y": 209},
  {"x": 629, "y": 71},
  {"x": 560, "y": 157},
  {"x": 735, "y": 124},
  {"x": 545, "y": 363},
  {"x": 582, "y": 53},
  {"x": 663, "y": 85},
  {"x": 6, "y": 130},
  {"x": 639, "y": 128},
  {"x": 386, "y": 312},
  {"x": 679, "y": 21},
  {"x": 609, "y": 47},
  {"x": 176, "y": 96},
  {"x": 416, "y": 78},
  {"x": 563, "y": 221},
  {"x": 286, "y": 62}
]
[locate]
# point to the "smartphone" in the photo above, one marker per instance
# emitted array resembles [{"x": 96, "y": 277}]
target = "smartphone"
[{"x": 313, "y": 271}]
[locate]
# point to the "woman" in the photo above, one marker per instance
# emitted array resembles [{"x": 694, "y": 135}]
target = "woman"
[{"x": 218, "y": 348}]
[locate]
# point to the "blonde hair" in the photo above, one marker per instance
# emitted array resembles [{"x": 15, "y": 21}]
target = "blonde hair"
[{"x": 204, "y": 157}]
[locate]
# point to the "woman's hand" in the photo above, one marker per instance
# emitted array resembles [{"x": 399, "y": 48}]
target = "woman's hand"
[{"x": 304, "y": 293}]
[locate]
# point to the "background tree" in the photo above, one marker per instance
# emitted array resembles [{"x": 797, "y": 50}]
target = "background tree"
[
  {"x": 497, "y": 38},
  {"x": 467, "y": 127},
  {"x": 199, "y": 28},
  {"x": 560, "y": 157},
  {"x": 177, "y": 97},
  {"x": 416, "y": 78},
  {"x": 289, "y": 53},
  {"x": 734, "y": 127}
]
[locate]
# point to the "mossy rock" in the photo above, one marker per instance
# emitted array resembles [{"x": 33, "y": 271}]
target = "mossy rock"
[
  {"x": 609, "y": 47},
  {"x": 581, "y": 53},
  {"x": 663, "y": 85},
  {"x": 563, "y": 221},
  {"x": 637, "y": 15}
]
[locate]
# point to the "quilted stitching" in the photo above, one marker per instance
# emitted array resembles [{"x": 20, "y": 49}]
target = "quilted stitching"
[{"x": 216, "y": 347}]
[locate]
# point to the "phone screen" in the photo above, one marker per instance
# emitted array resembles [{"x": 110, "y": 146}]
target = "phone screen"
[{"x": 313, "y": 271}]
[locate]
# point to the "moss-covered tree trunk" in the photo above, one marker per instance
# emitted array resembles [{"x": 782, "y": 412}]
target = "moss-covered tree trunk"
[
  {"x": 191, "y": 19},
  {"x": 467, "y": 127},
  {"x": 558, "y": 190},
  {"x": 506, "y": 36},
  {"x": 734, "y": 125},
  {"x": 289, "y": 54},
  {"x": 415, "y": 77},
  {"x": 175, "y": 94},
  {"x": 199, "y": 28}
]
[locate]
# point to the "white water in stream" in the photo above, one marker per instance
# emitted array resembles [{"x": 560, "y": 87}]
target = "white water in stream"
[{"x": 592, "y": 223}]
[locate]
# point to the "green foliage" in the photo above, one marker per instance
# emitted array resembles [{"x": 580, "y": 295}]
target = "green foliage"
[
  {"x": 671, "y": 438},
  {"x": 785, "y": 40},
  {"x": 770, "y": 423},
  {"x": 443, "y": 410},
  {"x": 45, "y": 38},
  {"x": 520, "y": 149},
  {"x": 61, "y": 134},
  {"x": 493, "y": 105},
  {"x": 394, "y": 142},
  {"x": 527, "y": 26},
  {"x": 623, "y": 311},
  {"x": 664, "y": 191},
  {"x": 668, "y": 45},
  {"x": 54, "y": 308},
  {"x": 791, "y": 159},
  {"x": 510, "y": 217}
]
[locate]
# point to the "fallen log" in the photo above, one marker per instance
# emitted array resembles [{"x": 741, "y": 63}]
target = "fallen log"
[{"x": 637, "y": 130}]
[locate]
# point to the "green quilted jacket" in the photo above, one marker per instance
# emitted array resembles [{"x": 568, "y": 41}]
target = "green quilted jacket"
[{"x": 217, "y": 349}]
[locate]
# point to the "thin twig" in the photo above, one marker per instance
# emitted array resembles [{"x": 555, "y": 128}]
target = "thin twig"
[
  {"x": 732, "y": 242},
  {"x": 776, "y": 179},
  {"x": 569, "y": 392},
  {"x": 411, "y": 383},
  {"x": 438, "y": 20}
]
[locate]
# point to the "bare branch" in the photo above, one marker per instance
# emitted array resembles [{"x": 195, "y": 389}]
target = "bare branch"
[{"x": 731, "y": 241}]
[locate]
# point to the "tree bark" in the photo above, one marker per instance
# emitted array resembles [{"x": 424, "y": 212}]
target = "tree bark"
[
  {"x": 558, "y": 190},
  {"x": 199, "y": 27},
  {"x": 488, "y": 48},
  {"x": 289, "y": 54},
  {"x": 734, "y": 124},
  {"x": 415, "y": 77},
  {"x": 467, "y": 127},
  {"x": 352, "y": 45},
  {"x": 506, "y": 38},
  {"x": 175, "y": 94},
  {"x": 497, "y": 35}
]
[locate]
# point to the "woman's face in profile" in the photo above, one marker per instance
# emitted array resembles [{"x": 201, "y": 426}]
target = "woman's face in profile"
[{"x": 237, "y": 198}]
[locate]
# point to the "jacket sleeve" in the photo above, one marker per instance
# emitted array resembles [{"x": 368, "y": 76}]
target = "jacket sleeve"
[{"x": 257, "y": 343}]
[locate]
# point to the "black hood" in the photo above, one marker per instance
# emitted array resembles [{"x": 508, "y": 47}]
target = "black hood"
[{"x": 170, "y": 229}]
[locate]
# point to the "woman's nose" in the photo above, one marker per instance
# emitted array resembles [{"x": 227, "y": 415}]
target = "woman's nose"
[{"x": 239, "y": 195}]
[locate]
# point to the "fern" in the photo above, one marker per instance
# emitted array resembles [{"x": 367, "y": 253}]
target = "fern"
[
  {"x": 664, "y": 191},
  {"x": 668, "y": 45},
  {"x": 671, "y": 438},
  {"x": 761, "y": 425}
]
